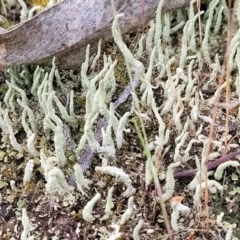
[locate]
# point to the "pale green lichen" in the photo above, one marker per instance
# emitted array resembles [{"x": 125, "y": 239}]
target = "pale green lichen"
[
  {"x": 25, "y": 235},
  {"x": 170, "y": 181},
  {"x": 219, "y": 171},
  {"x": 28, "y": 172},
  {"x": 137, "y": 229},
  {"x": 167, "y": 91},
  {"x": 109, "y": 205},
  {"x": 127, "y": 214},
  {"x": 121, "y": 175},
  {"x": 178, "y": 208},
  {"x": 87, "y": 210}
]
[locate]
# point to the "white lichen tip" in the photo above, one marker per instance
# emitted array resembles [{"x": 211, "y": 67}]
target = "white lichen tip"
[
  {"x": 159, "y": 27},
  {"x": 118, "y": 173},
  {"x": 219, "y": 171},
  {"x": 120, "y": 129},
  {"x": 137, "y": 229},
  {"x": 30, "y": 143},
  {"x": 12, "y": 138},
  {"x": 115, "y": 236},
  {"x": 59, "y": 138},
  {"x": 31, "y": 118},
  {"x": 170, "y": 181},
  {"x": 56, "y": 182},
  {"x": 136, "y": 65},
  {"x": 26, "y": 225},
  {"x": 13, "y": 185},
  {"x": 87, "y": 210},
  {"x": 80, "y": 180},
  {"x": 219, "y": 219},
  {"x": 127, "y": 214},
  {"x": 178, "y": 208},
  {"x": 28, "y": 172},
  {"x": 109, "y": 205},
  {"x": 229, "y": 233}
]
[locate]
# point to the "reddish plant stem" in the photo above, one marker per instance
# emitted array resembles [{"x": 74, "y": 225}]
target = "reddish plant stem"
[{"x": 211, "y": 165}]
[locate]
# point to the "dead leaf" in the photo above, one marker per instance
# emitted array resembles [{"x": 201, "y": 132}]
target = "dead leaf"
[
  {"x": 65, "y": 30},
  {"x": 177, "y": 199}
]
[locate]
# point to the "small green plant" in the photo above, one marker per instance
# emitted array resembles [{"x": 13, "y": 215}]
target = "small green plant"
[{"x": 151, "y": 173}]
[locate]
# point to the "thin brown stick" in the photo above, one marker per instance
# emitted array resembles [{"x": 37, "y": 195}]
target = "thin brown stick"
[
  {"x": 229, "y": 35},
  {"x": 210, "y": 166}
]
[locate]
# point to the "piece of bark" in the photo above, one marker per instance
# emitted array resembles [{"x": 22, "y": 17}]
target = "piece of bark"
[
  {"x": 85, "y": 158},
  {"x": 65, "y": 30}
]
